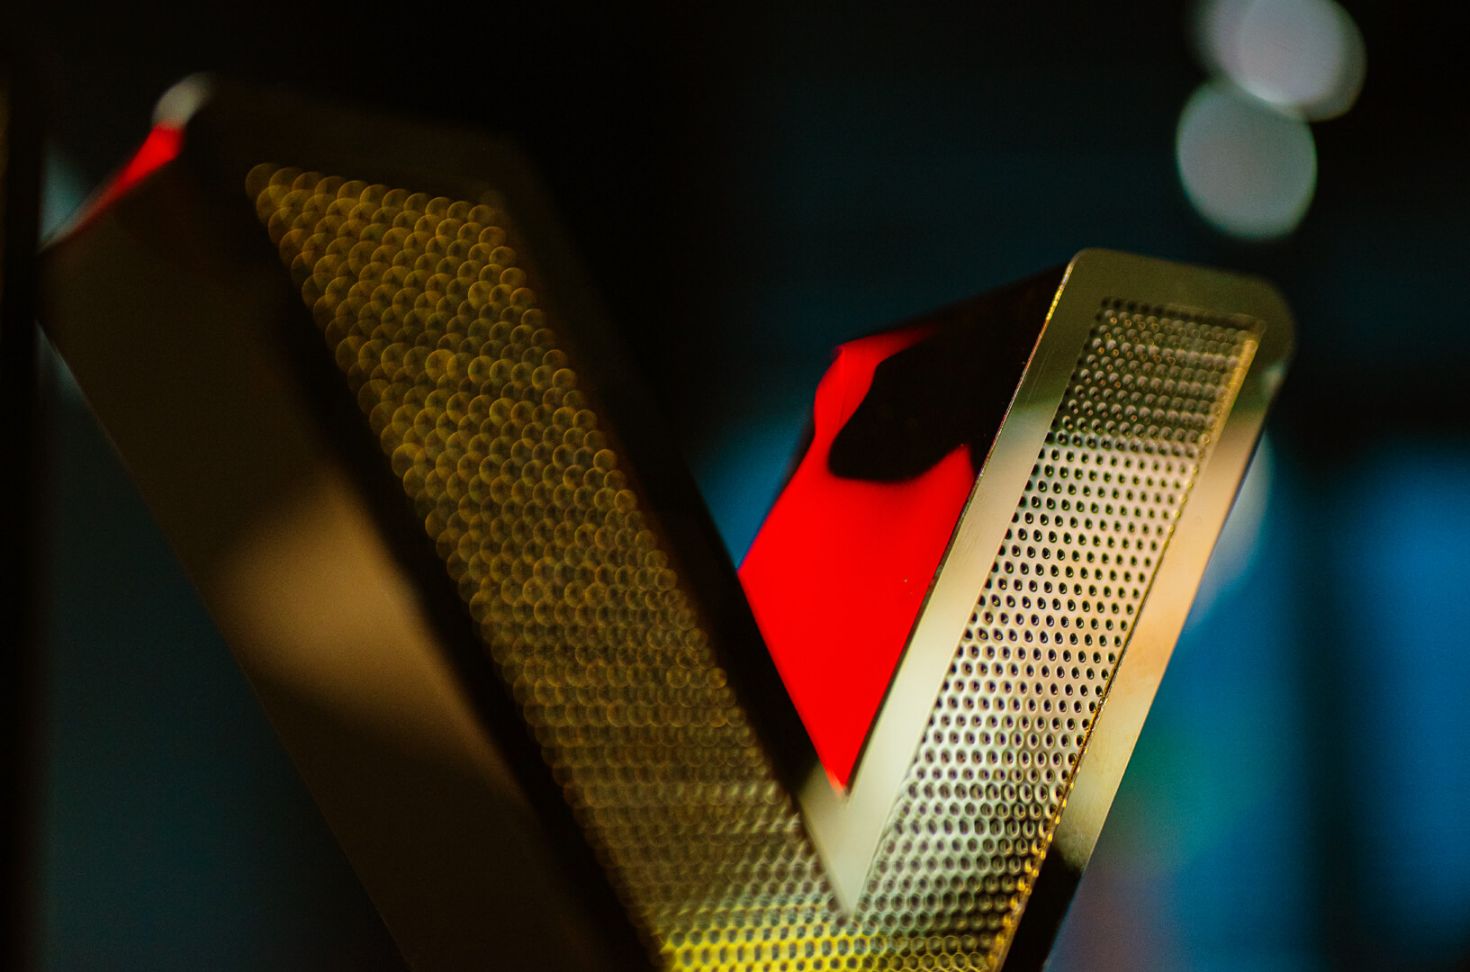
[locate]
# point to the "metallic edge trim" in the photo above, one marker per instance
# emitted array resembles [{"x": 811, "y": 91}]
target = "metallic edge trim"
[
  {"x": 1168, "y": 602},
  {"x": 847, "y": 828},
  {"x": 415, "y": 877}
]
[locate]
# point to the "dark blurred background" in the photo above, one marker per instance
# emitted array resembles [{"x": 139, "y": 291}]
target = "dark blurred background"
[{"x": 750, "y": 187}]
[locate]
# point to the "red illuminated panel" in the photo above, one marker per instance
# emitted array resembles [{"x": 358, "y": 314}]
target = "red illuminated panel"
[{"x": 841, "y": 565}]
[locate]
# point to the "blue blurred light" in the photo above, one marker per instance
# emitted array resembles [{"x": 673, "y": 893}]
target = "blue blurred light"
[
  {"x": 1201, "y": 856},
  {"x": 743, "y": 472},
  {"x": 1405, "y": 575}
]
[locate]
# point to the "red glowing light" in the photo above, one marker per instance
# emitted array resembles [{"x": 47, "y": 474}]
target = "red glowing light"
[
  {"x": 161, "y": 147},
  {"x": 840, "y": 568}
]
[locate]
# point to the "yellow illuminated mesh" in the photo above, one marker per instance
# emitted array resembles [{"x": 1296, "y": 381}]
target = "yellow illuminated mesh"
[
  {"x": 1141, "y": 411},
  {"x": 425, "y": 304}
]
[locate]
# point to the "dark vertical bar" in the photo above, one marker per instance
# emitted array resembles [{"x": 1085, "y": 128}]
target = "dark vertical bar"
[
  {"x": 1343, "y": 932},
  {"x": 20, "y": 466}
]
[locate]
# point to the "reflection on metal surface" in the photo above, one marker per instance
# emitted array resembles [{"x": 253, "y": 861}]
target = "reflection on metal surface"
[
  {"x": 170, "y": 326},
  {"x": 344, "y": 663},
  {"x": 901, "y": 424},
  {"x": 458, "y": 536},
  {"x": 430, "y": 314},
  {"x": 427, "y": 308},
  {"x": 1055, "y": 616}
]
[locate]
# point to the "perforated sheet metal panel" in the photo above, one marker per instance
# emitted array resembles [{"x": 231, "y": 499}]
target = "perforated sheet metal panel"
[
  {"x": 427, "y": 306},
  {"x": 1053, "y": 621}
]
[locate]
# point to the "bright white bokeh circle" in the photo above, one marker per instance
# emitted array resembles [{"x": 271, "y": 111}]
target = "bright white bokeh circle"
[
  {"x": 1249, "y": 171},
  {"x": 1304, "y": 57}
]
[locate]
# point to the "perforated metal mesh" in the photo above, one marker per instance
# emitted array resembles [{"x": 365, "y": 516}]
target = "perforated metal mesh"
[
  {"x": 1053, "y": 621},
  {"x": 426, "y": 305}
]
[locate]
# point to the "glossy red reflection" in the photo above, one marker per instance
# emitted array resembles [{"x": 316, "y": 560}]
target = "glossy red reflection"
[{"x": 840, "y": 568}]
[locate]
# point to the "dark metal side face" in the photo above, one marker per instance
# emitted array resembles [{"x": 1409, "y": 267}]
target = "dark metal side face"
[{"x": 463, "y": 488}]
